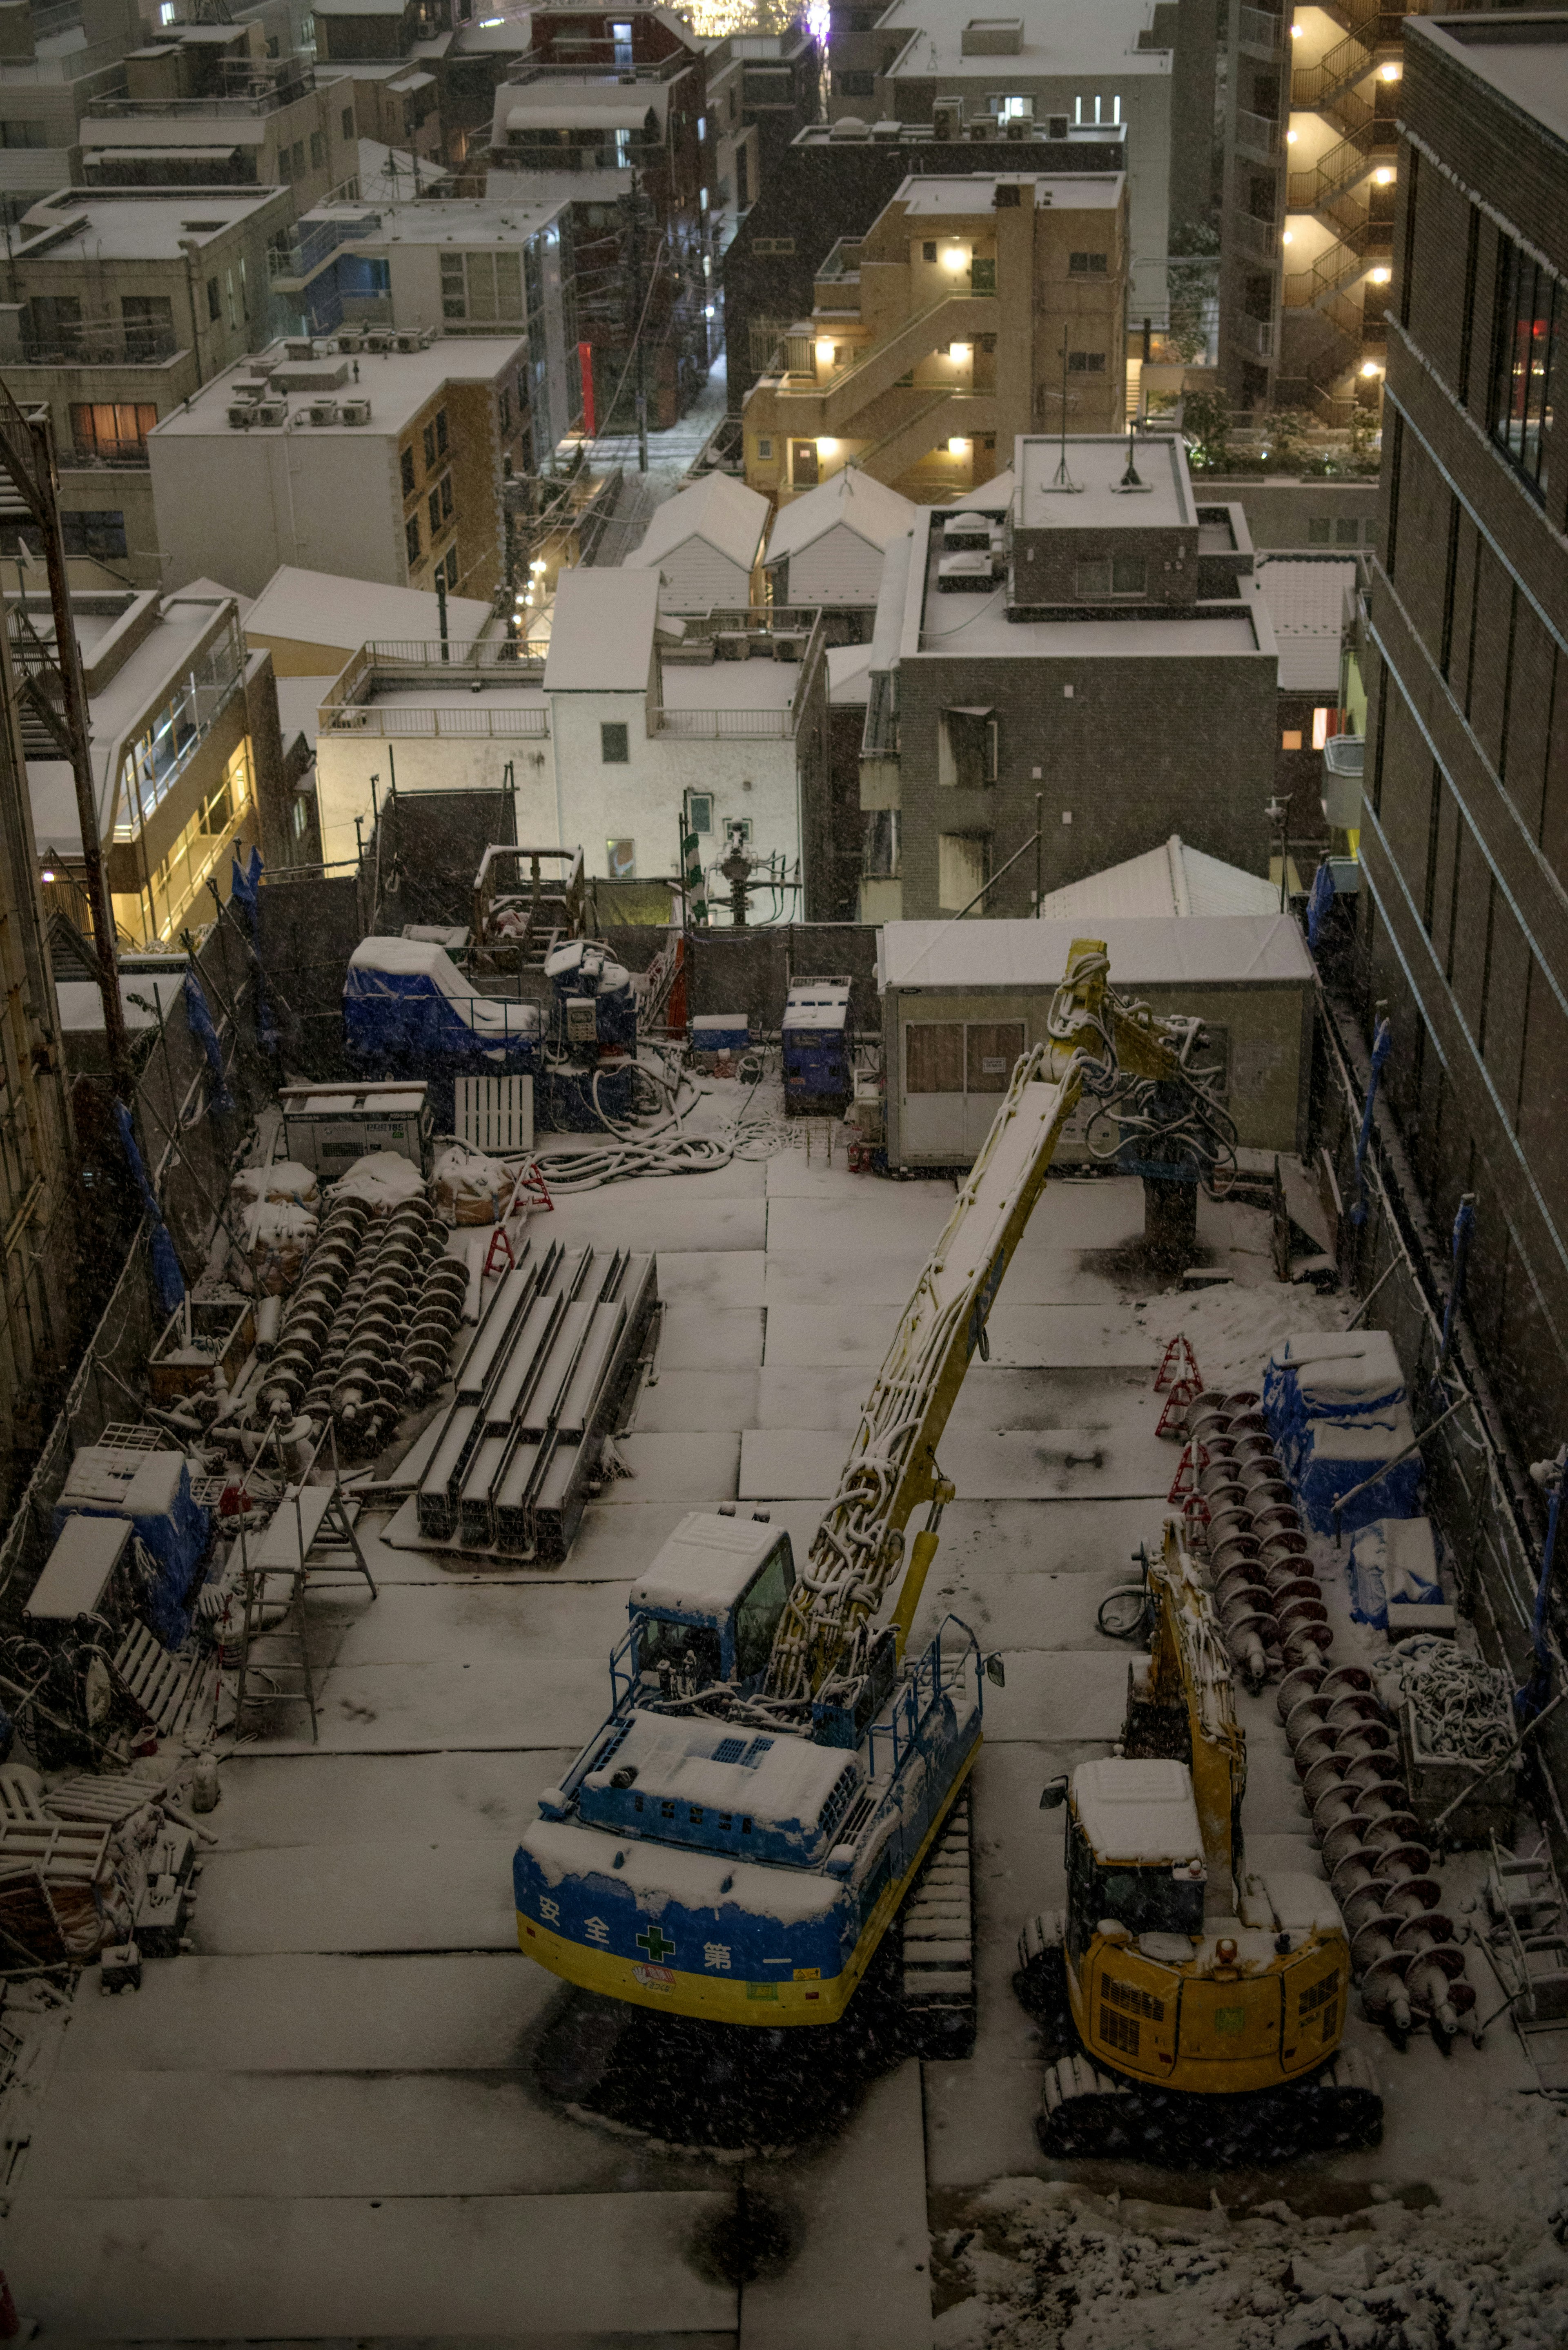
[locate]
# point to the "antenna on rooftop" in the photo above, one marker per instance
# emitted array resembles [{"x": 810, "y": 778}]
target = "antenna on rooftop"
[
  {"x": 1132, "y": 479},
  {"x": 1061, "y": 479}
]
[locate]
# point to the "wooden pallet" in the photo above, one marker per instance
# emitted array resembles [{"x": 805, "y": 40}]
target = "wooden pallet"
[
  {"x": 105, "y": 1801},
  {"x": 169, "y": 1689},
  {"x": 64, "y": 1852}
]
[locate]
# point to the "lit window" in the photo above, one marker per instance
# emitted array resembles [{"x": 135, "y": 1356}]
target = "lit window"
[
  {"x": 1291, "y": 740},
  {"x": 1320, "y": 719}
]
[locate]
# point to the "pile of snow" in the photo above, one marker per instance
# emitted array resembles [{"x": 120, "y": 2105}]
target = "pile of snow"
[{"x": 1039, "y": 2264}]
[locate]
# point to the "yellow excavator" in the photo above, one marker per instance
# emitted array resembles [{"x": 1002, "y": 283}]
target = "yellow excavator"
[{"x": 1198, "y": 1992}]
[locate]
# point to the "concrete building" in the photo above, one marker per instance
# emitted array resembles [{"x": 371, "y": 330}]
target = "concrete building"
[
  {"x": 631, "y": 730},
  {"x": 383, "y": 50},
  {"x": 1311, "y": 108},
  {"x": 51, "y": 68},
  {"x": 121, "y": 307},
  {"x": 184, "y": 744},
  {"x": 1301, "y": 514},
  {"x": 1049, "y": 65},
  {"x": 763, "y": 90},
  {"x": 1464, "y": 839},
  {"x": 827, "y": 547},
  {"x": 961, "y": 1000},
  {"x": 1309, "y": 601},
  {"x": 830, "y": 185},
  {"x": 465, "y": 266},
  {"x": 599, "y": 100},
  {"x": 902, "y": 368},
  {"x": 1098, "y": 649},
  {"x": 387, "y": 464},
  {"x": 706, "y": 545},
  {"x": 204, "y": 105}
]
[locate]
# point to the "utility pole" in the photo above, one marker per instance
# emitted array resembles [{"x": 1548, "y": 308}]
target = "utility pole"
[{"x": 634, "y": 212}]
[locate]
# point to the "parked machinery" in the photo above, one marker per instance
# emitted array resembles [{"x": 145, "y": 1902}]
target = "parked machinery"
[
  {"x": 1191, "y": 1984},
  {"x": 776, "y": 1775},
  {"x": 589, "y": 1070}
]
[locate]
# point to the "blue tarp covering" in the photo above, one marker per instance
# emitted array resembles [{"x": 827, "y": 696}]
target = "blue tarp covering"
[
  {"x": 407, "y": 1010},
  {"x": 153, "y": 1490}
]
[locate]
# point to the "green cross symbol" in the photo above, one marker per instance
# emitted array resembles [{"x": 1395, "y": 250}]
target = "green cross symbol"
[{"x": 657, "y": 1944}]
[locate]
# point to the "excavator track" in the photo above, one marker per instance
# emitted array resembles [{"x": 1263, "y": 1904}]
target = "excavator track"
[
  {"x": 1088, "y": 2114},
  {"x": 938, "y": 1929}
]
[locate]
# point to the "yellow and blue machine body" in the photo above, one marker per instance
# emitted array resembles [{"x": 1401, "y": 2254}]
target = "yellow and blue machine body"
[{"x": 738, "y": 1875}]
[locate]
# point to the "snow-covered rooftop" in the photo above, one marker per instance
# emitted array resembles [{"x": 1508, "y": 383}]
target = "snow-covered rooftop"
[
  {"x": 601, "y": 641},
  {"x": 1174, "y": 879},
  {"x": 322, "y": 608},
  {"x": 1139, "y": 1812},
  {"x": 1097, "y": 463},
  {"x": 723, "y": 513},
  {"x": 1153, "y": 950}
]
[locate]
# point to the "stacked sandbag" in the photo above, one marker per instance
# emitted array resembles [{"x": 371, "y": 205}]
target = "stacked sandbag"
[
  {"x": 383, "y": 1179},
  {"x": 277, "y": 1209},
  {"x": 467, "y": 1188}
]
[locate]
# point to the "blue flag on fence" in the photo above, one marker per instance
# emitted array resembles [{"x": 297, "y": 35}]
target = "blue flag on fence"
[{"x": 166, "y": 1273}]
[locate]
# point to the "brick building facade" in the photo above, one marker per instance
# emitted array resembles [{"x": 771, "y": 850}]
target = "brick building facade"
[{"x": 1464, "y": 919}]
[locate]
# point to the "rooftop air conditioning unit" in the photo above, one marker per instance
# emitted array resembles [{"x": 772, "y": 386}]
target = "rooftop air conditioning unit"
[
  {"x": 294, "y": 347},
  {"x": 324, "y": 411},
  {"x": 377, "y": 340},
  {"x": 350, "y": 337},
  {"x": 354, "y": 411},
  {"x": 947, "y": 118},
  {"x": 406, "y": 339},
  {"x": 242, "y": 414},
  {"x": 270, "y": 411}
]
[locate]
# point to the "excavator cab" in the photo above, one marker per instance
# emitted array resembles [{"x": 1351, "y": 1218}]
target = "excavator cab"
[{"x": 706, "y": 1609}]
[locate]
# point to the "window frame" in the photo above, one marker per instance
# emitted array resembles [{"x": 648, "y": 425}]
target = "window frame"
[
  {"x": 614, "y": 743},
  {"x": 1521, "y": 433}
]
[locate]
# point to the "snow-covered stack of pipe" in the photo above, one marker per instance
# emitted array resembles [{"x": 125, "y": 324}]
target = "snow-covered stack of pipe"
[
  {"x": 1402, "y": 1946},
  {"x": 1264, "y": 1584},
  {"x": 311, "y": 1312}
]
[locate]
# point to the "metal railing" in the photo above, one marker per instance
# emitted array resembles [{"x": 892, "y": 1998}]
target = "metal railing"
[
  {"x": 66, "y": 64},
  {"x": 1257, "y": 133},
  {"x": 1259, "y": 29},
  {"x": 1348, "y": 62},
  {"x": 1259, "y": 239},
  {"x": 1341, "y": 168},
  {"x": 261, "y": 94},
  {"x": 599, "y": 70},
  {"x": 1254, "y": 335},
  {"x": 725, "y": 725},
  {"x": 397, "y": 721},
  {"x": 95, "y": 343},
  {"x": 844, "y": 261}
]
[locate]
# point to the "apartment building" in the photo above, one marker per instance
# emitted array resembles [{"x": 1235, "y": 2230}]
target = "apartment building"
[
  {"x": 465, "y": 266},
  {"x": 832, "y": 183},
  {"x": 204, "y": 105},
  {"x": 1464, "y": 824},
  {"x": 1312, "y": 105},
  {"x": 904, "y": 366},
  {"x": 182, "y": 754},
  {"x": 122, "y": 305},
  {"x": 1084, "y": 642},
  {"x": 1050, "y": 66},
  {"x": 763, "y": 88},
  {"x": 610, "y": 111},
  {"x": 348, "y": 455},
  {"x": 382, "y": 52},
  {"x": 49, "y": 73}
]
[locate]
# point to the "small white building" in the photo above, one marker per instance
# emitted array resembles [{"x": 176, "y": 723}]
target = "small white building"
[
  {"x": 706, "y": 543},
  {"x": 312, "y": 622},
  {"x": 634, "y": 728},
  {"x": 827, "y": 546}
]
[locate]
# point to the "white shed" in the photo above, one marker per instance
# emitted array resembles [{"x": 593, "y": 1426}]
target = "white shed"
[
  {"x": 827, "y": 546},
  {"x": 1173, "y": 879},
  {"x": 705, "y": 542}
]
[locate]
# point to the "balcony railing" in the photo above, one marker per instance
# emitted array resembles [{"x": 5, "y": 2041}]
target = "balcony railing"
[
  {"x": 396, "y": 665},
  {"x": 65, "y": 65},
  {"x": 1259, "y": 29},
  {"x": 844, "y": 261},
  {"x": 600, "y": 68},
  {"x": 262, "y": 95},
  {"x": 91, "y": 344},
  {"x": 1259, "y": 239},
  {"x": 1254, "y": 335},
  {"x": 398, "y": 720},
  {"x": 1257, "y": 133}
]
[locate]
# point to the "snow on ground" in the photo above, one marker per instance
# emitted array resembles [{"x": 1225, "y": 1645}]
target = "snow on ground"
[{"x": 334, "y": 2119}]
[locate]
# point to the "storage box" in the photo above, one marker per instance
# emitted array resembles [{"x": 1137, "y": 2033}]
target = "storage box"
[
  {"x": 719, "y": 1032},
  {"x": 328, "y": 1126},
  {"x": 223, "y": 1332},
  {"x": 1434, "y": 1781}
]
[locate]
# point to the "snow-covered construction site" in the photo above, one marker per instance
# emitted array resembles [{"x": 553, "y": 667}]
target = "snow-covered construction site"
[{"x": 660, "y": 1699}]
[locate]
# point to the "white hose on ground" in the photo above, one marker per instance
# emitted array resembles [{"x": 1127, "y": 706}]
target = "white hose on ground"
[{"x": 668, "y": 1149}]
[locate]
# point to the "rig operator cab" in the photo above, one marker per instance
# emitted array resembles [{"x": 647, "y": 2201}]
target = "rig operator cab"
[{"x": 1181, "y": 1975}]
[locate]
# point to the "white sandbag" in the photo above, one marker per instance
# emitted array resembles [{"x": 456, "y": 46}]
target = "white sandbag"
[
  {"x": 278, "y": 1234},
  {"x": 467, "y": 1188},
  {"x": 286, "y": 1180},
  {"x": 383, "y": 1178}
]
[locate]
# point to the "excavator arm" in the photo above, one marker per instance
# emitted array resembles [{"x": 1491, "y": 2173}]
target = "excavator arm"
[{"x": 822, "y": 1645}]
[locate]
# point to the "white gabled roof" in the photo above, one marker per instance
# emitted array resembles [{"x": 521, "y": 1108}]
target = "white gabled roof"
[
  {"x": 601, "y": 636},
  {"x": 867, "y": 507},
  {"x": 1173, "y": 879},
  {"x": 723, "y": 511}
]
